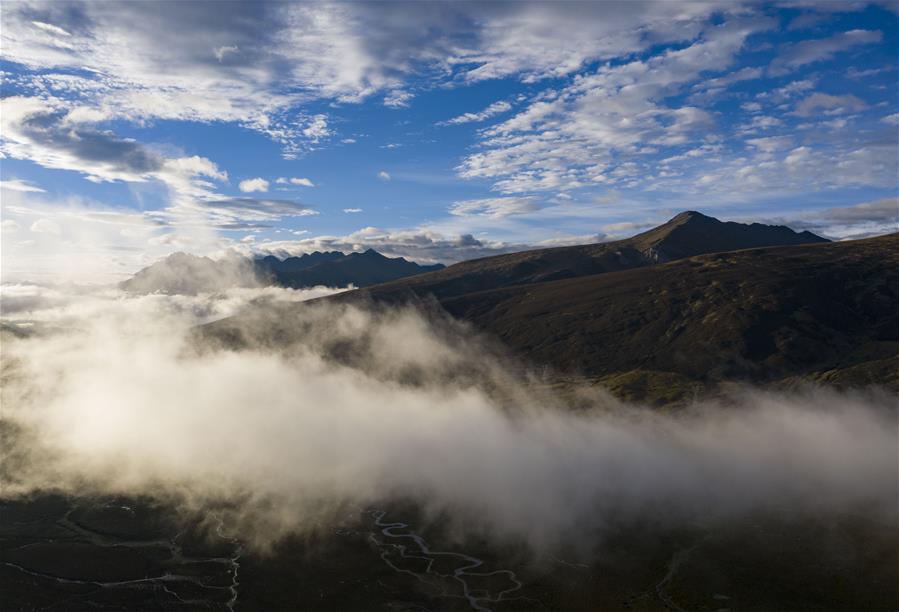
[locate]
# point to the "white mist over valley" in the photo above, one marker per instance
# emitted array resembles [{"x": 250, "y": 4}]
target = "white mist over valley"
[
  {"x": 114, "y": 394},
  {"x": 532, "y": 306}
]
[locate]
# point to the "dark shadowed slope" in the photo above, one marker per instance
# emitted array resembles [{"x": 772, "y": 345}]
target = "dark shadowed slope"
[
  {"x": 183, "y": 273},
  {"x": 827, "y": 312},
  {"x": 823, "y": 311},
  {"x": 830, "y": 311},
  {"x": 283, "y": 268},
  {"x": 689, "y": 233},
  {"x": 360, "y": 269}
]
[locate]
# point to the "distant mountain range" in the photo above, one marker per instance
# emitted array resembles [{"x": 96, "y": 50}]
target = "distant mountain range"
[
  {"x": 686, "y": 235},
  {"x": 683, "y": 308},
  {"x": 820, "y": 312},
  {"x": 187, "y": 274},
  {"x": 334, "y": 269},
  {"x": 686, "y": 306}
]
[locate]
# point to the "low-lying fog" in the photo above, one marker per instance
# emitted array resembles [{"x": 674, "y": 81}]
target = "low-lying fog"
[{"x": 105, "y": 393}]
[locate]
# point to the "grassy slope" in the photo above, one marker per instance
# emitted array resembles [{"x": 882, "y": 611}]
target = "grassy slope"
[
  {"x": 824, "y": 311},
  {"x": 685, "y": 235}
]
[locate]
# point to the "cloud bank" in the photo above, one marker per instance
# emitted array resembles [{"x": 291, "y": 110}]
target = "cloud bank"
[
  {"x": 641, "y": 102},
  {"x": 361, "y": 407}
]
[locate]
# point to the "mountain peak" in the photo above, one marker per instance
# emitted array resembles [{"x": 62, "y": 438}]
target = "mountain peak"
[
  {"x": 690, "y": 217},
  {"x": 186, "y": 273},
  {"x": 693, "y": 233}
]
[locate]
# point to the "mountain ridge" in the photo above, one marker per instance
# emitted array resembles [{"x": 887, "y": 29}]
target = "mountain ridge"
[
  {"x": 687, "y": 234},
  {"x": 809, "y": 310},
  {"x": 680, "y": 236},
  {"x": 785, "y": 316},
  {"x": 187, "y": 274},
  {"x": 822, "y": 313}
]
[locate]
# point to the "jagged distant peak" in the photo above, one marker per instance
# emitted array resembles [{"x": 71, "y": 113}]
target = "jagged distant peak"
[{"x": 186, "y": 273}]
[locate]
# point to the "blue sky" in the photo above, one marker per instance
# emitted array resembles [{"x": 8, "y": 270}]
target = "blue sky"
[{"x": 434, "y": 131}]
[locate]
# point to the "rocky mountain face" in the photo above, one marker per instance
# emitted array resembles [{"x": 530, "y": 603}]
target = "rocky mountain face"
[
  {"x": 334, "y": 269},
  {"x": 691, "y": 233},
  {"x": 821, "y": 312},
  {"x": 805, "y": 309},
  {"x": 690, "y": 304},
  {"x": 686, "y": 235}
]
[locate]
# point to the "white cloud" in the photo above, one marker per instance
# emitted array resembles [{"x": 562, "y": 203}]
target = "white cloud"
[
  {"x": 46, "y": 226},
  {"x": 398, "y": 99},
  {"x": 543, "y": 40},
  {"x": 828, "y": 104},
  {"x": 102, "y": 243},
  {"x": 892, "y": 119},
  {"x": 302, "y": 182},
  {"x": 625, "y": 228},
  {"x": 855, "y": 221},
  {"x": 49, "y": 27},
  {"x": 495, "y": 208},
  {"x": 494, "y": 109},
  {"x": 269, "y": 68},
  {"x": 751, "y": 107},
  {"x": 771, "y": 144},
  {"x": 36, "y": 129},
  {"x": 744, "y": 74},
  {"x": 225, "y": 64},
  {"x": 255, "y": 184},
  {"x": 421, "y": 245},
  {"x": 788, "y": 91},
  {"x": 885, "y": 210},
  {"x": 261, "y": 65},
  {"x": 258, "y": 65},
  {"x": 317, "y": 128},
  {"x": 18, "y": 185},
  {"x": 810, "y": 51},
  {"x": 352, "y": 210},
  {"x": 759, "y": 123},
  {"x": 384, "y": 175},
  {"x": 237, "y": 210},
  {"x": 41, "y": 131},
  {"x": 97, "y": 418},
  {"x": 9, "y": 225},
  {"x": 595, "y": 130},
  {"x": 836, "y": 124},
  {"x": 785, "y": 171},
  {"x": 855, "y": 73},
  {"x": 223, "y": 51}
]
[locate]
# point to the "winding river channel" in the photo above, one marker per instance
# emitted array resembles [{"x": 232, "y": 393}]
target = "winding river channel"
[
  {"x": 203, "y": 587},
  {"x": 401, "y": 543}
]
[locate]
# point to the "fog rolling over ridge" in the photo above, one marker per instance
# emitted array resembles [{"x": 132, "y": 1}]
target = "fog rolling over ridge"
[
  {"x": 113, "y": 394},
  {"x": 532, "y": 306},
  {"x": 182, "y": 273}
]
